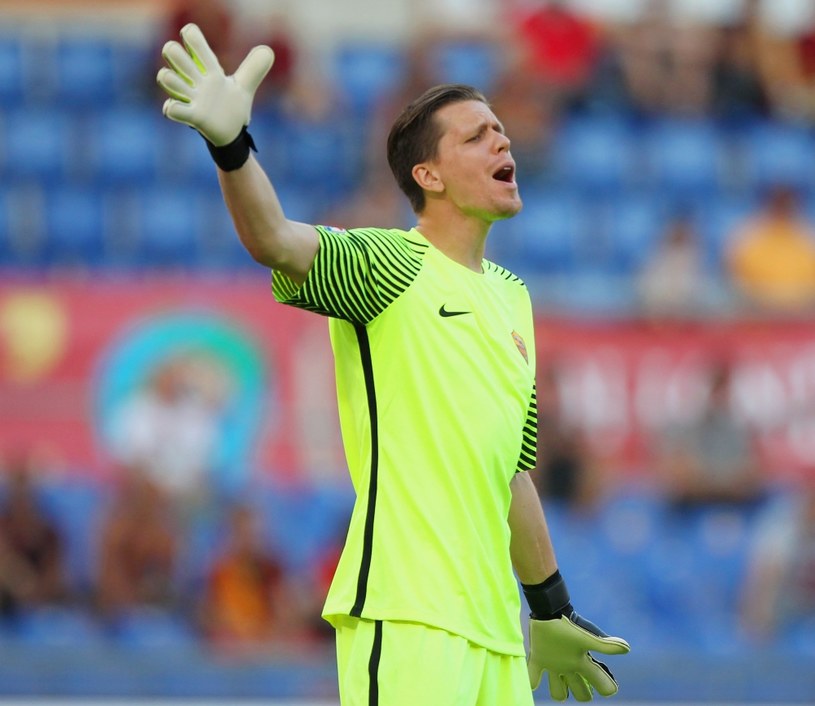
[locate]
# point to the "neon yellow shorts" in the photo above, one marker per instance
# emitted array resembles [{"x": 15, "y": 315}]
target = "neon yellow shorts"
[{"x": 410, "y": 664}]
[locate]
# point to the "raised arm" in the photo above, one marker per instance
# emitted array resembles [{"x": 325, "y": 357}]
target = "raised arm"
[{"x": 220, "y": 107}]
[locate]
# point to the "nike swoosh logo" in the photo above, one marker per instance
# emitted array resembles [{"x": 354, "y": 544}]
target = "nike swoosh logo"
[{"x": 445, "y": 313}]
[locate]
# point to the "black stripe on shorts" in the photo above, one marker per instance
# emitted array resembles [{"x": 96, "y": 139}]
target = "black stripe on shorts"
[{"x": 373, "y": 665}]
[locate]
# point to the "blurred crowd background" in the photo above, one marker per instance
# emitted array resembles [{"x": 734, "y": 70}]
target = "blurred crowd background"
[{"x": 173, "y": 487}]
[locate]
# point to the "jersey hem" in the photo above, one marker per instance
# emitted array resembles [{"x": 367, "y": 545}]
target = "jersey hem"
[{"x": 514, "y": 648}]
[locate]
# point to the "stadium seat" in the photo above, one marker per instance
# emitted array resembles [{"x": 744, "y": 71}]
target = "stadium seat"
[
  {"x": 366, "y": 72},
  {"x": 124, "y": 145},
  {"x": 40, "y": 143},
  {"x": 84, "y": 70},
  {"x": 473, "y": 62},
  {"x": 149, "y": 628},
  {"x": 168, "y": 224},
  {"x": 628, "y": 228},
  {"x": 74, "y": 226},
  {"x": 595, "y": 154},
  {"x": 322, "y": 157},
  {"x": 776, "y": 153},
  {"x": 12, "y": 81},
  {"x": 56, "y": 626},
  {"x": 22, "y": 231},
  {"x": 550, "y": 229},
  {"x": 685, "y": 158}
]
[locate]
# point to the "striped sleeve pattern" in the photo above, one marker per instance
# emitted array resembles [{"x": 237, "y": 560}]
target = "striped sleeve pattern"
[
  {"x": 356, "y": 274},
  {"x": 529, "y": 445}
]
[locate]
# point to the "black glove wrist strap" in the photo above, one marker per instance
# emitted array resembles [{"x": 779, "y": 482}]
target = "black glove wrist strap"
[
  {"x": 234, "y": 155},
  {"x": 549, "y": 599}
]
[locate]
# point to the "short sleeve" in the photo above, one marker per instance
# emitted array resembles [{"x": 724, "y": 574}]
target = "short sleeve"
[{"x": 356, "y": 274}]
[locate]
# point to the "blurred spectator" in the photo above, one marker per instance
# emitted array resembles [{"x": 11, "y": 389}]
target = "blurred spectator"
[
  {"x": 673, "y": 282},
  {"x": 738, "y": 91},
  {"x": 529, "y": 113},
  {"x": 246, "y": 601},
  {"x": 667, "y": 64},
  {"x": 138, "y": 550},
  {"x": 567, "y": 471},
  {"x": 170, "y": 429},
  {"x": 782, "y": 34},
  {"x": 712, "y": 459},
  {"x": 771, "y": 257},
  {"x": 557, "y": 45},
  {"x": 32, "y": 571},
  {"x": 779, "y": 590}
]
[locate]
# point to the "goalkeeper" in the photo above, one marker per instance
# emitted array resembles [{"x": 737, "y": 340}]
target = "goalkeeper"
[{"x": 434, "y": 351}]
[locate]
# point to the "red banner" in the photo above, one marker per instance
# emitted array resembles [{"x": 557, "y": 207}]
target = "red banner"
[{"x": 72, "y": 353}]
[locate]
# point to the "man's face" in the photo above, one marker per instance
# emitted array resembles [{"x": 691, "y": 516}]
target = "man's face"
[{"x": 473, "y": 162}]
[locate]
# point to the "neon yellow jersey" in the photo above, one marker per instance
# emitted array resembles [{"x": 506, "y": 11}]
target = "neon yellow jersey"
[{"x": 435, "y": 368}]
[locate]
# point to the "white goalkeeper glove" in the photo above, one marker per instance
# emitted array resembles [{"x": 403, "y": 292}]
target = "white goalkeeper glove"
[
  {"x": 203, "y": 96},
  {"x": 560, "y": 645}
]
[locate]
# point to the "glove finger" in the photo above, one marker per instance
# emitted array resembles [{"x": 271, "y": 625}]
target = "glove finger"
[
  {"x": 535, "y": 674},
  {"x": 181, "y": 62},
  {"x": 254, "y": 67},
  {"x": 177, "y": 110},
  {"x": 611, "y": 646},
  {"x": 199, "y": 49},
  {"x": 600, "y": 677},
  {"x": 579, "y": 687},
  {"x": 597, "y": 640},
  {"x": 174, "y": 85},
  {"x": 557, "y": 687}
]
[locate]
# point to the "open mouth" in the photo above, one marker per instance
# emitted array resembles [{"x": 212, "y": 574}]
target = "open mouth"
[{"x": 505, "y": 174}]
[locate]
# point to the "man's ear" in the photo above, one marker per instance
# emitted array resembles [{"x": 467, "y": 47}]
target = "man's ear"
[{"x": 428, "y": 178}]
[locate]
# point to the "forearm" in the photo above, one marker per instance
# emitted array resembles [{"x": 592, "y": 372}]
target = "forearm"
[
  {"x": 269, "y": 237},
  {"x": 533, "y": 555}
]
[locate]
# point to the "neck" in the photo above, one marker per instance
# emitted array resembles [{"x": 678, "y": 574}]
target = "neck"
[{"x": 461, "y": 239}]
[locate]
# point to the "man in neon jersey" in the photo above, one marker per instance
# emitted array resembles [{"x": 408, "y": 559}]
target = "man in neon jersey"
[{"x": 435, "y": 367}]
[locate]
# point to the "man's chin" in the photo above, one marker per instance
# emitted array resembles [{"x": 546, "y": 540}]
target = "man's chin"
[{"x": 509, "y": 210}]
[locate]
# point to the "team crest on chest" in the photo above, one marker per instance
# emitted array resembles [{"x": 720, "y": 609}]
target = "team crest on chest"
[{"x": 519, "y": 341}]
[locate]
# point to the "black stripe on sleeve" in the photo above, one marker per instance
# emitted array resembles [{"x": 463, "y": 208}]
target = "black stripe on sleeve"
[
  {"x": 368, "y": 535},
  {"x": 529, "y": 443},
  {"x": 356, "y": 274}
]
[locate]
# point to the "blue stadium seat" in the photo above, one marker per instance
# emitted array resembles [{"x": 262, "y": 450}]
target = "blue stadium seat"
[
  {"x": 148, "y": 628},
  {"x": 551, "y": 229},
  {"x": 631, "y": 225},
  {"x": 74, "y": 225},
  {"x": 684, "y": 157},
  {"x": 595, "y": 154},
  {"x": 12, "y": 81},
  {"x": 169, "y": 223},
  {"x": 84, "y": 70},
  {"x": 775, "y": 152},
  {"x": 22, "y": 236},
  {"x": 56, "y": 626},
  {"x": 40, "y": 143},
  {"x": 124, "y": 145},
  {"x": 366, "y": 72},
  {"x": 473, "y": 62},
  {"x": 321, "y": 157}
]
